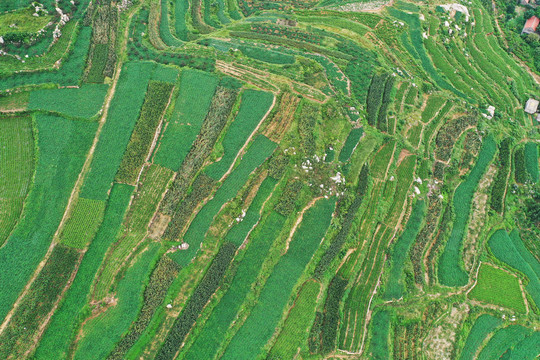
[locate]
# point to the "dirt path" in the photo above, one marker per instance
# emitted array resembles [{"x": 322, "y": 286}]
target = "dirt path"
[{"x": 72, "y": 200}]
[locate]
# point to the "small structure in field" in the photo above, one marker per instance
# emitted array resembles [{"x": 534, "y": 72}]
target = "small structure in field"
[
  {"x": 531, "y": 106},
  {"x": 531, "y": 25},
  {"x": 286, "y": 22}
]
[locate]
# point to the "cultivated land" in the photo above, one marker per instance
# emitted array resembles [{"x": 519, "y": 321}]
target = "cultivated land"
[{"x": 255, "y": 179}]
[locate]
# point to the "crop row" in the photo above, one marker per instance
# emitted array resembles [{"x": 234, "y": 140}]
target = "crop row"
[
  {"x": 253, "y": 106},
  {"x": 330, "y": 323},
  {"x": 122, "y": 116},
  {"x": 38, "y": 302},
  {"x": 17, "y": 167},
  {"x": 259, "y": 151},
  {"x": 288, "y": 32},
  {"x": 498, "y": 287},
  {"x": 512, "y": 251},
  {"x": 83, "y": 223},
  {"x": 116, "y": 320},
  {"x": 503, "y": 340},
  {"x": 394, "y": 287},
  {"x": 213, "y": 333},
  {"x": 154, "y": 180},
  {"x": 380, "y": 330},
  {"x": 88, "y": 99},
  {"x": 155, "y": 102},
  {"x": 102, "y": 56},
  {"x": 69, "y": 73},
  {"x": 294, "y": 331},
  {"x": 348, "y": 218},
  {"x": 375, "y": 97},
  {"x": 306, "y": 126},
  {"x": 449, "y": 133},
  {"x": 482, "y": 327},
  {"x": 202, "y": 188}
]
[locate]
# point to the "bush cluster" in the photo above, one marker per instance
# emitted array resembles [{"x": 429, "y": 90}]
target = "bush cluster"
[{"x": 288, "y": 32}]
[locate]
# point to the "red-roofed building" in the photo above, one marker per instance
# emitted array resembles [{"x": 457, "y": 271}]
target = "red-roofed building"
[{"x": 531, "y": 25}]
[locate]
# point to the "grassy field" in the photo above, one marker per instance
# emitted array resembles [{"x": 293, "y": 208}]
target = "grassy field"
[
  {"x": 496, "y": 286},
  {"x": 84, "y": 102},
  {"x": 16, "y": 169}
]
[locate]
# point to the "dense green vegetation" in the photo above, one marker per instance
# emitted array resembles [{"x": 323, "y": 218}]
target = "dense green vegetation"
[{"x": 255, "y": 179}]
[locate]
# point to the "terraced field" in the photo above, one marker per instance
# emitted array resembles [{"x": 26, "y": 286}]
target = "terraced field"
[{"x": 255, "y": 179}]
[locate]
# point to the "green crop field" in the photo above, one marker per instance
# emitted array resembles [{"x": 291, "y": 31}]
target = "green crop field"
[
  {"x": 295, "y": 329},
  {"x": 17, "y": 167},
  {"x": 64, "y": 101},
  {"x": 253, "y": 106},
  {"x": 394, "y": 288},
  {"x": 511, "y": 250},
  {"x": 184, "y": 124},
  {"x": 83, "y": 223},
  {"x": 263, "y": 320},
  {"x": 256, "y": 179},
  {"x": 496, "y": 286},
  {"x": 483, "y": 326}
]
